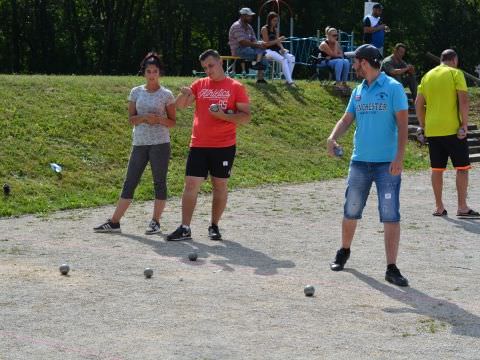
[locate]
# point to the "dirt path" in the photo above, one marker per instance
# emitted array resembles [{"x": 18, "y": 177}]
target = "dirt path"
[{"x": 244, "y": 298}]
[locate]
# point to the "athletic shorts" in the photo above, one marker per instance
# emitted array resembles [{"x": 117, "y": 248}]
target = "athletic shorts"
[
  {"x": 217, "y": 162},
  {"x": 443, "y": 147}
]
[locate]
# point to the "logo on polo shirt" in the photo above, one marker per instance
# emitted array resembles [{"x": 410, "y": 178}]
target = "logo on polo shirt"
[
  {"x": 381, "y": 96},
  {"x": 371, "y": 107}
]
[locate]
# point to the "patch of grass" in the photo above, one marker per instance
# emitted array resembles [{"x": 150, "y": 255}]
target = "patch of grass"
[
  {"x": 80, "y": 122},
  {"x": 430, "y": 326}
]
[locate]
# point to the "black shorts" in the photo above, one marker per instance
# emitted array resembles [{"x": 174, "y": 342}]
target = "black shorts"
[
  {"x": 217, "y": 162},
  {"x": 443, "y": 147}
]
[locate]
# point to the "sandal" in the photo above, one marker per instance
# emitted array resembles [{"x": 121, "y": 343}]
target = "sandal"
[
  {"x": 443, "y": 213},
  {"x": 469, "y": 214}
]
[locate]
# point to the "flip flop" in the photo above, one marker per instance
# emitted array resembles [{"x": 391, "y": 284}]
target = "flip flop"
[
  {"x": 469, "y": 214},
  {"x": 443, "y": 213}
]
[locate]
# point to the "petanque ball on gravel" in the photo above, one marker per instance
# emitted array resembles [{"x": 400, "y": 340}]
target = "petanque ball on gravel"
[
  {"x": 64, "y": 269},
  {"x": 309, "y": 290},
  {"x": 148, "y": 273},
  {"x": 193, "y": 256}
]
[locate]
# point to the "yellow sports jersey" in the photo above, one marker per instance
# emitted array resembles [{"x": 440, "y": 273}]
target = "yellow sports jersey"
[{"x": 439, "y": 88}]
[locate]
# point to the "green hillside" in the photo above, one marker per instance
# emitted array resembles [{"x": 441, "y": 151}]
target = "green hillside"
[{"x": 80, "y": 122}]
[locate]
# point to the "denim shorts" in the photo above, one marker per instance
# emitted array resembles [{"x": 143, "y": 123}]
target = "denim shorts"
[
  {"x": 360, "y": 178},
  {"x": 250, "y": 54}
]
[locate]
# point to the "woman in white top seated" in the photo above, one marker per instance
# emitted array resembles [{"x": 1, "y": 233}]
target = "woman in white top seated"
[{"x": 275, "y": 50}]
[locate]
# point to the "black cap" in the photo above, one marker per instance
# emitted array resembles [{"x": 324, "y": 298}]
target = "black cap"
[
  {"x": 369, "y": 53},
  {"x": 378, "y": 6}
]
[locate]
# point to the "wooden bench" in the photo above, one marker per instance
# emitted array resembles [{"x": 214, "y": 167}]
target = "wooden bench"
[{"x": 230, "y": 63}]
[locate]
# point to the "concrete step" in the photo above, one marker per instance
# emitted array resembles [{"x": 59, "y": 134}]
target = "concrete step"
[
  {"x": 473, "y": 141},
  {"x": 412, "y": 129},
  {"x": 474, "y": 149},
  {"x": 475, "y": 158},
  {"x": 473, "y": 134}
]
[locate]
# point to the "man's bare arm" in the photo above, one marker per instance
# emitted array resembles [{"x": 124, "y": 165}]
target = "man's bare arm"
[{"x": 340, "y": 128}]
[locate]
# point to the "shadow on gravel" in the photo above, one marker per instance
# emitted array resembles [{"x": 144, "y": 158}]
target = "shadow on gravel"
[
  {"x": 470, "y": 225},
  {"x": 462, "y": 322},
  {"x": 232, "y": 253}
]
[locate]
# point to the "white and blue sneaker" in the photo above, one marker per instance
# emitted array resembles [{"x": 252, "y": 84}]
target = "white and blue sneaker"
[
  {"x": 153, "y": 228},
  {"x": 182, "y": 233}
]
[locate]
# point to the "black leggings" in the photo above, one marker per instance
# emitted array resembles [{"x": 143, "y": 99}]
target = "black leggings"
[{"x": 159, "y": 156}]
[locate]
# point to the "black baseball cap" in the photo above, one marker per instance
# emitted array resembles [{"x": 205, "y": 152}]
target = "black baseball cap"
[
  {"x": 378, "y": 6},
  {"x": 369, "y": 53}
]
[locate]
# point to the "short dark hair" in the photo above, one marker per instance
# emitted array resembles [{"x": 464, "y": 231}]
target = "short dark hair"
[
  {"x": 152, "y": 58},
  {"x": 400, "y": 45},
  {"x": 209, "y": 52},
  {"x": 448, "y": 55},
  {"x": 374, "y": 63}
]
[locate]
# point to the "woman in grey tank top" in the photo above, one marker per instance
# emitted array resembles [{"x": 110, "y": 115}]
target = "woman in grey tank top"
[{"x": 151, "y": 112}]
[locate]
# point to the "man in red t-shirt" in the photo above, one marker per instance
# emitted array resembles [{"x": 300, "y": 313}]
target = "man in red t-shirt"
[{"x": 221, "y": 104}]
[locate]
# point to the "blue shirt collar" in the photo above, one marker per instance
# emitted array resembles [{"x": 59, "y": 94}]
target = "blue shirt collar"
[{"x": 380, "y": 80}]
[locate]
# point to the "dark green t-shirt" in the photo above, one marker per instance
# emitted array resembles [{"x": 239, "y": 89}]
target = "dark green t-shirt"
[{"x": 389, "y": 64}]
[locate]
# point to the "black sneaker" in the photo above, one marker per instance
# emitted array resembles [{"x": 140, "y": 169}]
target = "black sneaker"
[
  {"x": 214, "y": 233},
  {"x": 394, "y": 276},
  {"x": 262, "y": 81},
  {"x": 108, "y": 227},
  {"x": 258, "y": 66},
  {"x": 153, "y": 227},
  {"x": 340, "y": 260},
  {"x": 180, "y": 234}
]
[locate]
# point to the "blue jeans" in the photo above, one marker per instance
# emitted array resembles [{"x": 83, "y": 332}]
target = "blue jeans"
[
  {"x": 250, "y": 54},
  {"x": 341, "y": 68},
  {"x": 360, "y": 178}
]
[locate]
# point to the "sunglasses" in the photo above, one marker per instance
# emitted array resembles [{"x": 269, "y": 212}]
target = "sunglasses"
[{"x": 334, "y": 35}]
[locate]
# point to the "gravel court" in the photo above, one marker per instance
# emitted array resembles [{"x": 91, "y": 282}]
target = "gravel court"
[{"x": 244, "y": 297}]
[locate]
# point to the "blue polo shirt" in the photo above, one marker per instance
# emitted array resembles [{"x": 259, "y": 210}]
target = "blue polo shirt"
[{"x": 374, "y": 107}]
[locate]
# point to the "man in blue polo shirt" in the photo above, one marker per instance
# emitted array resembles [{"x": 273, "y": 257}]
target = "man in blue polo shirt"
[{"x": 380, "y": 109}]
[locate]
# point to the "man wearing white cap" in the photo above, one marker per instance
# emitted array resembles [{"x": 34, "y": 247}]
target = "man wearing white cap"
[{"x": 243, "y": 43}]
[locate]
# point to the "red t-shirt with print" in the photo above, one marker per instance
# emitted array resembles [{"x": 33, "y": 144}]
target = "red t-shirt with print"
[{"x": 209, "y": 131}]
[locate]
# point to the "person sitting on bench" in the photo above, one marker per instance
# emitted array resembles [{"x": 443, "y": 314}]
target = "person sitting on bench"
[
  {"x": 275, "y": 50},
  {"x": 243, "y": 43},
  {"x": 396, "y": 67},
  {"x": 332, "y": 52}
]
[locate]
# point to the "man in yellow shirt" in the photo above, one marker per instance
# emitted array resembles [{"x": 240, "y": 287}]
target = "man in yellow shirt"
[{"x": 442, "y": 110}]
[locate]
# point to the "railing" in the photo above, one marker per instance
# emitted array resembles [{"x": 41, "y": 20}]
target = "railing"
[{"x": 302, "y": 48}]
